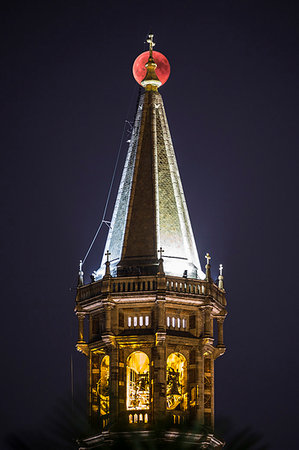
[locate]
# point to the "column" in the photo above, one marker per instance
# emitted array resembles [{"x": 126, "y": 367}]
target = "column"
[
  {"x": 208, "y": 324},
  {"x": 220, "y": 321},
  {"x": 81, "y": 317},
  {"x": 158, "y": 386},
  {"x": 113, "y": 384},
  {"x": 108, "y": 309}
]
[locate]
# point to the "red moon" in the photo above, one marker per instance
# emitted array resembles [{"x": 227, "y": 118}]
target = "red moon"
[{"x": 162, "y": 70}]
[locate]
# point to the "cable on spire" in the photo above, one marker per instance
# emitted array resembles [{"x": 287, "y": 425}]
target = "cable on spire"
[{"x": 103, "y": 221}]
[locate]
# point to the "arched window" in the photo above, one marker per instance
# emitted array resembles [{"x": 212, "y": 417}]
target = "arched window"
[
  {"x": 138, "y": 383},
  {"x": 176, "y": 391},
  {"x": 103, "y": 386}
]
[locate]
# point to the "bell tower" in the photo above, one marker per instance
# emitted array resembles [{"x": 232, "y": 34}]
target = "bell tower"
[{"x": 155, "y": 318}]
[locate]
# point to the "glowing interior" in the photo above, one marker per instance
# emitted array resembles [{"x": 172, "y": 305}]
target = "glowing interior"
[
  {"x": 138, "y": 385},
  {"x": 176, "y": 392},
  {"x": 103, "y": 386}
]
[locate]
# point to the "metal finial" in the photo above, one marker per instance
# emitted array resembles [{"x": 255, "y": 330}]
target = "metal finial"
[
  {"x": 151, "y": 82},
  {"x": 221, "y": 269},
  {"x": 151, "y": 43},
  {"x": 208, "y": 258}
]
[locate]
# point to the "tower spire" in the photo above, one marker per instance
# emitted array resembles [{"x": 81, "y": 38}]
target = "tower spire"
[
  {"x": 150, "y": 210},
  {"x": 151, "y": 82}
]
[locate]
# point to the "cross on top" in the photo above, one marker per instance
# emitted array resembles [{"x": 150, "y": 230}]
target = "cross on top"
[
  {"x": 221, "y": 269},
  {"x": 150, "y": 42},
  {"x": 107, "y": 254},
  {"x": 208, "y": 258},
  {"x": 80, "y": 265},
  {"x": 160, "y": 251}
]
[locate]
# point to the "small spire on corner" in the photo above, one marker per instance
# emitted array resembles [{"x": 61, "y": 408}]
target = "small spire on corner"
[
  {"x": 161, "y": 267},
  {"x": 220, "y": 278},
  {"x": 208, "y": 267},
  {"x": 80, "y": 275},
  {"x": 107, "y": 263}
]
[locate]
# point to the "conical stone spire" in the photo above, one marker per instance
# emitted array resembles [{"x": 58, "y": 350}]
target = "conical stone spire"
[{"x": 150, "y": 210}]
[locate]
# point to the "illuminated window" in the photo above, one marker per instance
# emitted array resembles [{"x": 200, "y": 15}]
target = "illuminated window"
[
  {"x": 184, "y": 323},
  {"x": 173, "y": 322},
  {"x": 135, "y": 321},
  {"x": 145, "y": 418},
  {"x": 129, "y": 321},
  {"x": 138, "y": 383},
  {"x": 140, "y": 321},
  {"x": 179, "y": 322},
  {"x": 168, "y": 321},
  {"x": 103, "y": 386},
  {"x": 176, "y": 391},
  {"x": 146, "y": 321}
]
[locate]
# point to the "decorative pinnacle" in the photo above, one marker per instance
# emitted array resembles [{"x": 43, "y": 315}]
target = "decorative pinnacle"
[
  {"x": 151, "y": 82},
  {"x": 161, "y": 267},
  {"x": 208, "y": 267},
  {"x": 220, "y": 278},
  {"x": 80, "y": 275},
  {"x": 208, "y": 258},
  {"x": 107, "y": 263},
  {"x": 160, "y": 251}
]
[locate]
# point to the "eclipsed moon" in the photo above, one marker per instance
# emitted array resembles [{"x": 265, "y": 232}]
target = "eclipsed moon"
[{"x": 162, "y": 70}]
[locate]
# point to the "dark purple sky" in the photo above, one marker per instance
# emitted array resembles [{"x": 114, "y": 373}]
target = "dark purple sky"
[{"x": 232, "y": 105}]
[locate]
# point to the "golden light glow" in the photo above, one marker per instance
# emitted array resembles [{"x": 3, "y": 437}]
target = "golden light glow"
[
  {"x": 138, "y": 385},
  {"x": 176, "y": 391},
  {"x": 103, "y": 386}
]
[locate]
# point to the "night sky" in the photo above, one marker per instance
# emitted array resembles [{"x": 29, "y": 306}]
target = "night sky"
[{"x": 232, "y": 106}]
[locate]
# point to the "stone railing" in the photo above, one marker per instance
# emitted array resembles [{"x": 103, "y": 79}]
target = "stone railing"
[
  {"x": 139, "y": 284},
  {"x": 118, "y": 285},
  {"x": 186, "y": 286}
]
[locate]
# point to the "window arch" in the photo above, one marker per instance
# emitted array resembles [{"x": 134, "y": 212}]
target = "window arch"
[
  {"x": 138, "y": 383},
  {"x": 176, "y": 390},
  {"x": 103, "y": 386}
]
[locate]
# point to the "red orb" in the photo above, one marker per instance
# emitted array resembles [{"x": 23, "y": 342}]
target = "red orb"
[{"x": 162, "y": 70}]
